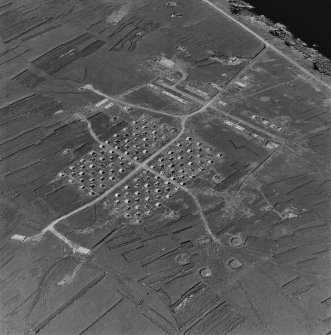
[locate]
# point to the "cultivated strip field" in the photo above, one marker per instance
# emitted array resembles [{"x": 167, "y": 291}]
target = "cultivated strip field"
[{"x": 163, "y": 170}]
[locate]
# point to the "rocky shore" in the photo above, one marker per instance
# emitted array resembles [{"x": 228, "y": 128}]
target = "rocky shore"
[{"x": 319, "y": 62}]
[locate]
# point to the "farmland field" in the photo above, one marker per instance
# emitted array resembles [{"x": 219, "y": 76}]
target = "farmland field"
[{"x": 163, "y": 170}]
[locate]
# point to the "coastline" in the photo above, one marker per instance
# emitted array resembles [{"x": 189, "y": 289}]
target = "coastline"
[
  {"x": 262, "y": 26},
  {"x": 307, "y": 21}
]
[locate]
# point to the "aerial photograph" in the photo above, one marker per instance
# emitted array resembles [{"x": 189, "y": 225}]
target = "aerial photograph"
[{"x": 165, "y": 167}]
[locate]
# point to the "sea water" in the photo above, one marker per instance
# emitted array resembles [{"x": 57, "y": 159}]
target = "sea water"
[{"x": 309, "y": 20}]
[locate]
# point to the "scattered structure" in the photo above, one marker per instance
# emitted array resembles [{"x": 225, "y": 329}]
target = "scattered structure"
[
  {"x": 166, "y": 62},
  {"x": 197, "y": 92},
  {"x": 171, "y": 4},
  {"x": 264, "y": 122},
  {"x": 184, "y": 160},
  {"x": 251, "y": 135},
  {"x": 143, "y": 196}
]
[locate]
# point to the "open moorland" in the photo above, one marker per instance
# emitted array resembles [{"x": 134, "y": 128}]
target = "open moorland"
[{"x": 163, "y": 170}]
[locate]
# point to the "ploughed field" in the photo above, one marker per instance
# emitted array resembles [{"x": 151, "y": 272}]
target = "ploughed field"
[{"x": 161, "y": 172}]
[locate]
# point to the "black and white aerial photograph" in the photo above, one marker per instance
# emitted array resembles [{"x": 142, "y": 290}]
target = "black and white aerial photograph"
[{"x": 165, "y": 167}]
